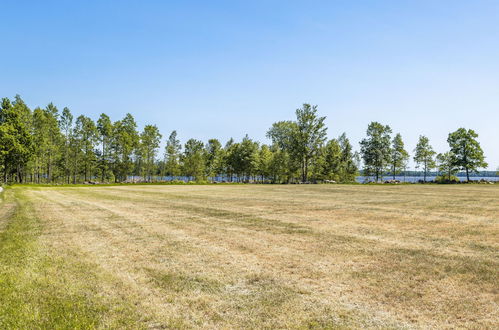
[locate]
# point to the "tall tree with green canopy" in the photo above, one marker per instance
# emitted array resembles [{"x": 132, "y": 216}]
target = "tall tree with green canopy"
[
  {"x": 263, "y": 167},
  {"x": 285, "y": 164},
  {"x": 47, "y": 137},
  {"x": 308, "y": 137},
  {"x": 233, "y": 159},
  {"x": 87, "y": 135},
  {"x": 66, "y": 128},
  {"x": 23, "y": 127},
  {"x": 280, "y": 167},
  {"x": 125, "y": 141},
  {"x": 466, "y": 150},
  {"x": 193, "y": 159},
  {"x": 214, "y": 157},
  {"x": 248, "y": 157},
  {"x": 424, "y": 155},
  {"x": 227, "y": 163},
  {"x": 375, "y": 150},
  {"x": 105, "y": 129},
  {"x": 349, "y": 169},
  {"x": 172, "y": 156},
  {"x": 47, "y": 141},
  {"x": 243, "y": 158},
  {"x": 15, "y": 138},
  {"x": 399, "y": 156},
  {"x": 331, "y": 162},
  {"x": 52, "y": 146},
  {"x": 150, "y": 139}
]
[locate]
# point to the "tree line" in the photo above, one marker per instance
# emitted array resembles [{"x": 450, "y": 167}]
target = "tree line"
[
  {"x": 45, "y": 145},
  {"x": 382, "y": 154}
]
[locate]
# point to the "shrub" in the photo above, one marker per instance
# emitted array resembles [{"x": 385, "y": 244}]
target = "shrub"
[{"x": 447, "y": 179}]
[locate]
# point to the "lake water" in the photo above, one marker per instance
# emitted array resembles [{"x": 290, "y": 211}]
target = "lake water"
[{"x": 361, "y": 179}]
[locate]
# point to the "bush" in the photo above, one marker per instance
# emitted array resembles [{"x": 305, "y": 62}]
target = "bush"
[{"x": 445, "y": 179}]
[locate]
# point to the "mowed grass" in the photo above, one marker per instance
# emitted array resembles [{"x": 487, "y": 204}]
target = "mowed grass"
[{"x": 250, "y": 256}]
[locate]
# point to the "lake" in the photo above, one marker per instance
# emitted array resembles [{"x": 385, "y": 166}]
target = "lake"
[{"x": 401, "y": 178}]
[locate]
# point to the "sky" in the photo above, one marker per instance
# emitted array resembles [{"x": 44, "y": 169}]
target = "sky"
[{"x": 228, "y": 68}]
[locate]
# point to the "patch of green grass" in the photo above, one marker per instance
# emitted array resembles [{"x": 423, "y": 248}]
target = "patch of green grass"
[
  {"x": 178, "y": 282},
  {"x": 38, "y": 290},
  {"x": 244, "y": 220}
]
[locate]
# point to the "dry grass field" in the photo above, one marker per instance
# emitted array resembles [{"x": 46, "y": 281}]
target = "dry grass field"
[{"x": 250, "y": 256}]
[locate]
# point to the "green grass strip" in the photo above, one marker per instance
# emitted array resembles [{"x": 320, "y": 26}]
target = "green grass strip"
[{"x": 38, "y": 290}]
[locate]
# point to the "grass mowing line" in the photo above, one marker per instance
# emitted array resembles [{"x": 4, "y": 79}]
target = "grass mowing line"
[
  {"x": 239, "y": 218},
  {"x": 245, "y": 220},
  {"x": 42, "y": 291}
]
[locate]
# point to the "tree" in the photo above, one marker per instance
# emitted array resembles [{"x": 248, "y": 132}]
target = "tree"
[
  {"x": 281, "y": 168},
  {"x": 375, "y": 150},
  {"x": 227, "y": 159},
  {"x": 247, "y": 157},
  {"x": 149, "y": 140},
  {"x": 87, "y": 135},
  {"x": 348, "y": 168},
  {"x": 301, "y": 139},
  {"x": 308, "y": 137},
  {"x": 424, "y": 155},
  {"x": 105, "y": 129},
  {"x": 282, "y": 134},
  {"x": 52, "y": 146},
  {"x": 263, "y": 167},
  {"x": 331, "y": 161},
  {"x": 193, "y": 159},
  {"x": 125, "y": 140},
  {"x": 446, "y": 164},
  {"x": 172, "y": 155},
  {"x": 285, "y": 164},
  {"x": 16, "y": 146},
  {"x": 399, "y": 155},
  {"x": 214, "y": 157},
  {"x": 47, "y": 141},
  {"x": 66, "y": 127},
  {"x": 467, "y": 153}
]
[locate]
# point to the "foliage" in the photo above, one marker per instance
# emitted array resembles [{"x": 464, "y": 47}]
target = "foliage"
[
  {"x": 193, "y": 159},
  {"x": 447, "y": 179},
  {"x": 424, "y": 155},
  {"x": 399, "y": 156},
  {"x": 467, "y": 153},
  {"x": 446, "y": 165},
  {"x": 172, "y": 154},
  {"x": 300, "y": 140},
  {"x": 375, "y": 150},
  {"x": 46, "y": 146}
]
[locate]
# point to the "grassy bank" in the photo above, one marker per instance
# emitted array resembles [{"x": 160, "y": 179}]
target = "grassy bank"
[{"x": 250, "y": 256}]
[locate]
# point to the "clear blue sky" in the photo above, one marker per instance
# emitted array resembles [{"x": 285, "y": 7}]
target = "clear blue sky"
[{"x": 226, "y": 68}]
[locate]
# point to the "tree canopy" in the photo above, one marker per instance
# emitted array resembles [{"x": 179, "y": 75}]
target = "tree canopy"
[
  {"x": 466, "y": 151},
  {"x": 45, "y": 145},
  {"x": 424, "y": 155}
]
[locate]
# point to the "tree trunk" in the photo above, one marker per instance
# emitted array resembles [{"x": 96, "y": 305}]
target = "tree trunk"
[{"x": 424, "y": 172}]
